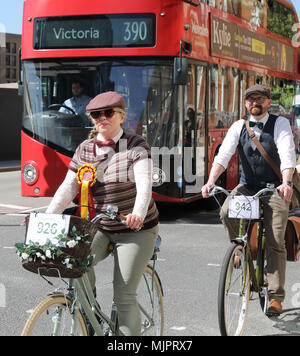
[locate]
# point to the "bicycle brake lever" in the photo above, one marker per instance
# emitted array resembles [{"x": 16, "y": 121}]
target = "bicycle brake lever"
[{"x": 211, "y": 190}]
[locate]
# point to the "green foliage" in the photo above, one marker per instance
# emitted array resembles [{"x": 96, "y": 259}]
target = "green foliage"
[
  {"x": 34, "y": 252},
  {"x": 281, "y": 19},
  {"x": 74, "y": 235}
]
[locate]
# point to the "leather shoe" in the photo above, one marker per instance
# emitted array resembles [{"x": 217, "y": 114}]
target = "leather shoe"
[{"x": 274, "y": 308}]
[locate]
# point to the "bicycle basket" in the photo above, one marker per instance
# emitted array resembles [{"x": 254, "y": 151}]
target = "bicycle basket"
[
  {"x": 52, "y": 268},
  {"x": 70, "y": 262}
]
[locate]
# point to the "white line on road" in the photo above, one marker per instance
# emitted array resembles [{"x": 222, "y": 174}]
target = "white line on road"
[
  {"x": 213, "y": 265},
  {"x": 9, "y": 248},
  {"x": 17, "y": 207},
  {"x": 178, "y": 328},
  {"x": 13, "y": 214},
  {"x": 29, "y": 210},
  {"x": 34, "y": 209}
]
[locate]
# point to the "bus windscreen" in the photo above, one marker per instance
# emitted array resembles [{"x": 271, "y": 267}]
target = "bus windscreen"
[{"x": 95, "y": 31}]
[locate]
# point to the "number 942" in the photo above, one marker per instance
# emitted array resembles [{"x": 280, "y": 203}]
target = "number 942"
[{"x": 242, "y": 206}]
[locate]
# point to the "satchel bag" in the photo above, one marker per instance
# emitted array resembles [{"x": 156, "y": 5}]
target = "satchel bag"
[
  {"x": 291, "y": 237},
  {"x": 296, "y": 179}
]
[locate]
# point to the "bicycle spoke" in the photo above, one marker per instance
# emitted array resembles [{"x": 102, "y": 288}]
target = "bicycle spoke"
[
  {"x": 233, "y": 292},
  {"x": 53, "y": 318}
]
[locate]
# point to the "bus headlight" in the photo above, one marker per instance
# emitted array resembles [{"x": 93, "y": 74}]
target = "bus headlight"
[
  {"x": 158, "y": 177},
  {"x": 30, "y": 173}
]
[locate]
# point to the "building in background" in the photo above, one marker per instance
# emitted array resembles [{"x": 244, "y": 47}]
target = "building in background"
[{"x": 9, "y": 57}]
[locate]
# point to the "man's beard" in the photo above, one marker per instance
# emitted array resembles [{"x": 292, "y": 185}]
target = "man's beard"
[{"x": 256, "y": 111}]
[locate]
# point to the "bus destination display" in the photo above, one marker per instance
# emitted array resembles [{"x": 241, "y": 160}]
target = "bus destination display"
[{"x": 95, "y": 31}]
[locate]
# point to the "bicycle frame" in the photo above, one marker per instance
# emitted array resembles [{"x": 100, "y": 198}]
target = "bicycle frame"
[
  {"x": 81, "y": 292},
  {"x": 256, "y": 272}
]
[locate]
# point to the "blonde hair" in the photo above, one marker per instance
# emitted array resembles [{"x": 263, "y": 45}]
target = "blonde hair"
[{"x": 94, "y": 131}]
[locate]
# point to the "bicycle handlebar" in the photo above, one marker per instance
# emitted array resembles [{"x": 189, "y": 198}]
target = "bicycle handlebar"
[
  {"x": 113, "y": 214},
  {"x": 216, "y": 189}
]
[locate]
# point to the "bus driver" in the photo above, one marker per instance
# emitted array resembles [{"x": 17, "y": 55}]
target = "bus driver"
[{"x": 78, "y": 102}]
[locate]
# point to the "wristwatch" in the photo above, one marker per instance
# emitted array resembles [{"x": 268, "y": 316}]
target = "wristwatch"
[{"x": 288, "y": 182}]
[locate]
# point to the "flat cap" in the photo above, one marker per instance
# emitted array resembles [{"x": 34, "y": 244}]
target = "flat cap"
[
  {"x": 107, "y": 100},
  {"x": 258, "y": 89}
]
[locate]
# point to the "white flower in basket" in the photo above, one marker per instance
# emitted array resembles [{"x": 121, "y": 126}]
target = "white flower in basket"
[
  {"x": 66, "y": 261},
  {"x": 25, "y": 256},
  {"x": 48, "y": 254},
  {"x": 38, "y": 255},
  {"x": 71, "y": 244}
]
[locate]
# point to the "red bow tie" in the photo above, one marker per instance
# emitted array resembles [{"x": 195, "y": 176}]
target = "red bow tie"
[{"x": 108, "y": 143}]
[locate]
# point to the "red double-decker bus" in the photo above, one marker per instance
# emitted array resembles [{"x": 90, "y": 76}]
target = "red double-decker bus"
[{"x": 181, "y": 65}]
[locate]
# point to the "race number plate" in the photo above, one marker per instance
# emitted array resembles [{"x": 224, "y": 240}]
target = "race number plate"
[
  {"x": 242, "y": 207},
  {"x": 43, "y": 227}
]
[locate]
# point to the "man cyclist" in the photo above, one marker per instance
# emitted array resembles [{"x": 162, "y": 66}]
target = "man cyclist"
[{"x": 276, "y": 137}]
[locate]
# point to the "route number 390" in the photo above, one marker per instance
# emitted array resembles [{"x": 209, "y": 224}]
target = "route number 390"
[{"x": 135, "y": 31}]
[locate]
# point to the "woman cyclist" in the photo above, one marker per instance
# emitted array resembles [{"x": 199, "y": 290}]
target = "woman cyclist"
[{"x": 124, "y": 178}]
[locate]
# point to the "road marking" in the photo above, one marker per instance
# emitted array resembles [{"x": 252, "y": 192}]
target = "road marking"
[
  {"x": 13, "y": 214},
  {"x": 8, "y": 248},
  {"x": 178, "y": 328},
  {"x": 28, "y": 210},
  {"x": 213, "y": 265},
  {"x": 30, "y": 311},
  {"x": 34, "y": 209},
  {"x": 17, "y": 207}
]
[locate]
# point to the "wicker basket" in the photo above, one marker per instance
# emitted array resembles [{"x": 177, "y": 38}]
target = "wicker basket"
[
  {"x": 82, "y": 250},
  {"x": 52, "y": 268}
]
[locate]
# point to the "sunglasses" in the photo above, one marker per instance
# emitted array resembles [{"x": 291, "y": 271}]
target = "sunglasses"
[
  {"x": 259, "y": 100},
  {"x": 108, "y": 113}
]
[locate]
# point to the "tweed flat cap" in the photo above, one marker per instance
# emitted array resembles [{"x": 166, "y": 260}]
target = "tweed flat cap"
[
  {"x": 106, "y": 100},
  {"x": 258, "y": 89}
]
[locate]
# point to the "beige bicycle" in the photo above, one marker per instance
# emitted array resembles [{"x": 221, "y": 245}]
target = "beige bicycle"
[{"x": 75, "y": 310}]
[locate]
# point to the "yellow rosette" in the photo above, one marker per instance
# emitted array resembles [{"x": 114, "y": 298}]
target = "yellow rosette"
[{"x": 86, "y": 177}]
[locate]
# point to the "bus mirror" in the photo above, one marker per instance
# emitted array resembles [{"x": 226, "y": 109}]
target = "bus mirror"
[{"x": 180, "y": 71}]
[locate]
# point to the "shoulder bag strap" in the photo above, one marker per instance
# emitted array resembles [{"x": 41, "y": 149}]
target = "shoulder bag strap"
[{"x": 263, "y": 151}]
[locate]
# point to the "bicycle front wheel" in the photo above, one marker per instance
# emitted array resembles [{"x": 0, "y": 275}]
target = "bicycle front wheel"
[
  {"x": 52, "y": 317},
  {"x": 150, "y": 297},
  {"x": 234, "y": 292}
]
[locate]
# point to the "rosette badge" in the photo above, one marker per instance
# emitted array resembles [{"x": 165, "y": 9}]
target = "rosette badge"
[{"x": 86, "y": 177}]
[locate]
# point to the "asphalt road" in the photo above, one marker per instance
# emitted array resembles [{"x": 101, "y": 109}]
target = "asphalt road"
[{"x": 194, "y": 243}]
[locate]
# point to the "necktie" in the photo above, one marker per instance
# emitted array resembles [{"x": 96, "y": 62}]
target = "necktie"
[
  {"x": 108, "y": 143},
  {"x": 260, "y": 125}
]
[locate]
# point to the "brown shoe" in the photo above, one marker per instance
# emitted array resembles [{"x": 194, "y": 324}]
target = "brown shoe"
[{"x": 274, "y": 308}]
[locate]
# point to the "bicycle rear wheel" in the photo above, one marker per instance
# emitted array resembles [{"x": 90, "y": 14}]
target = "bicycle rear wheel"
[
  {"x": 234, "y": 292},
  {"x": 52, "y": 317},
  {"x": 150, "y": 297}
]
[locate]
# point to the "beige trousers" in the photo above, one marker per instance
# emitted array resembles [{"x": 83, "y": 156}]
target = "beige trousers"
[
  {"x": 132, "y": 252},
  {"x": 275, "y": 220}
]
